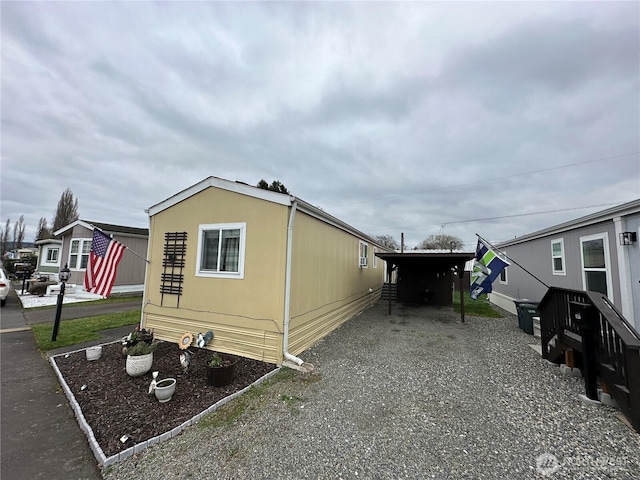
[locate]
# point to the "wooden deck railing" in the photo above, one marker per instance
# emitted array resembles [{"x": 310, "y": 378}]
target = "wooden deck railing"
[{"x": 617, "y": 344}]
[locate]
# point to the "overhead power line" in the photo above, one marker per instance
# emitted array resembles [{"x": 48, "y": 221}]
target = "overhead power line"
[
  {"x": 444, "y": 224},
  {"x": 379, "y": 199}
]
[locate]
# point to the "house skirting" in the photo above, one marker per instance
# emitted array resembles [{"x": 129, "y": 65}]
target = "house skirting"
[{"x": 503, "y": 301}]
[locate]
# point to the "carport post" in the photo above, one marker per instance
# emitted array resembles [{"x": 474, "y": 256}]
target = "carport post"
[
  {"x": 389, "y": 271},
  {"x": 462, "y": 292}
]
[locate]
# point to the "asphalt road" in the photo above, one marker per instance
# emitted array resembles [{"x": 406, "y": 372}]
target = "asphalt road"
[{"x": 39, "y": 435}]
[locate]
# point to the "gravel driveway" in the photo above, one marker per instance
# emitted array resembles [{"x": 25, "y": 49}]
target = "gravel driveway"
[{"x": 413, "y": 395}]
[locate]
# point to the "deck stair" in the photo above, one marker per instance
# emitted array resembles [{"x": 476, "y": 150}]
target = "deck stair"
[{"x": 607, "y": 344}]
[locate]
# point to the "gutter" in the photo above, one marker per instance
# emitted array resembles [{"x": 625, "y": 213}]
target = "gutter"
[{"x": 296, "y": 362}]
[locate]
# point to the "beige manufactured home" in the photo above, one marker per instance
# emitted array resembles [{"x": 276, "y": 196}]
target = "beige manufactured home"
[{"x": 268, "y": 273}]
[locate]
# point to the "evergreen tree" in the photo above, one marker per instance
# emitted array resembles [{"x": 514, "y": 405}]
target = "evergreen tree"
[
  {"x": 42, "y": 231},
  {"x": 18, "y": 232},
  {"x": 276, "y": 186}
]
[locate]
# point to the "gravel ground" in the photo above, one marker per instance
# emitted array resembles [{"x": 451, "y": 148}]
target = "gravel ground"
[{"x": 413, "y": 395}]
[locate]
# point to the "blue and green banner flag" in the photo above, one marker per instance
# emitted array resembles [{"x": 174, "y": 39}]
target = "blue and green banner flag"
[{"x": 486, "y": 268}]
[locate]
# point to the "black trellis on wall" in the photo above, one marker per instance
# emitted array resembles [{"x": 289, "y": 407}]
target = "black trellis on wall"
[{"x": 175, "y": 249}]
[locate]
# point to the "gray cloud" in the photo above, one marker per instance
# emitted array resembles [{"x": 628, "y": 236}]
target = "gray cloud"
[{"x": 392, "y": 116}]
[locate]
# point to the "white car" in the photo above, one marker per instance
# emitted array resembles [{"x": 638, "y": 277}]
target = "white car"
[{"x": 5, "y": 286}]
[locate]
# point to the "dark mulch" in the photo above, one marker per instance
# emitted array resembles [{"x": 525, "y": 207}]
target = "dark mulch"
[{"x": 115, "y": 404}]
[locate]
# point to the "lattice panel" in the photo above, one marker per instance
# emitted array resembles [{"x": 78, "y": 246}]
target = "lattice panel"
[{"x": 175, "y": 249}]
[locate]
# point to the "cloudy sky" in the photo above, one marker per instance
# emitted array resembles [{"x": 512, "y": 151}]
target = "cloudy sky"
[{"x": 421, "y": 117}]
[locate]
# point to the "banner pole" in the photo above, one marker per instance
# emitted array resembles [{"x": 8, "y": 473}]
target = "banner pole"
[{"x": 511, "y": 259}]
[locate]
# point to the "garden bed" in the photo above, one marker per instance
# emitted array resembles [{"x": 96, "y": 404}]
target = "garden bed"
[{"x": 115, "y": 405}]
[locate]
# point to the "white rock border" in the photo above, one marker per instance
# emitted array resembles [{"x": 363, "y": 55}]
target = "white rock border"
[{"x": 103, "y": 460}]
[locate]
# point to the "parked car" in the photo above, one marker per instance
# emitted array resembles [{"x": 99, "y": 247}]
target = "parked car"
[{"x": 5, "y": 286}]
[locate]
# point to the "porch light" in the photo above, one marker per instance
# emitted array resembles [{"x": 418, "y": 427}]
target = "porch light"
[{"x": 628, "y": 238}]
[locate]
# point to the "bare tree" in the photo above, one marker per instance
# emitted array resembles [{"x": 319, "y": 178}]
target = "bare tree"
[
  {"x": 66, "y": 212},
  {"x": 387, "y": 241},
  {"x": 18, "y": 232},
  {"x": 5, "y": 235},
  {"x": 15, "y": 236},
  {"x": 42, "y": 231},
  {"x": 441, "y": 242}
]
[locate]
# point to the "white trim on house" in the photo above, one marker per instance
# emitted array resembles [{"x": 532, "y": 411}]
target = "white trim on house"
[
  {"x": 363, "y": 254},
  {"x": 624, "y": 271},
  {"x": 267, "y": 195},
  {"x": 555, "y": 271},
  {"x": 66, "y": 228},
  {"x": 217, "y": 273},
  {"x": 75, "y": 267},
  {"x": 607, "y": 261},
  {"x": 602, "y": 216}
]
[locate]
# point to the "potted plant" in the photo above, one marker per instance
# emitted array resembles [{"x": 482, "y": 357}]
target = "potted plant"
[
  {"x": 220, "y": 369},
  {"x": 139, "y": 347}
]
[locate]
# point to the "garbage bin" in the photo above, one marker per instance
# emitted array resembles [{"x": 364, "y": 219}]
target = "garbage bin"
[{"x": 526, "y": 311}]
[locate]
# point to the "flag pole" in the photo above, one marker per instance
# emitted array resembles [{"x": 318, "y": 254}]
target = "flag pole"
[
  {"x": 125, "y": 247},
  {"x": 512, "y": 260}
]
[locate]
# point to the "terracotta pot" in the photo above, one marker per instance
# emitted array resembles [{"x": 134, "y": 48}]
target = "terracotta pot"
[
  {"x": 223, "y": 375},
  {"x": 138, "y": 365}
]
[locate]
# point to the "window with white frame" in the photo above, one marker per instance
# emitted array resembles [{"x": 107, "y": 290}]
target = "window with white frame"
[
  {"x": 52, "y": 255},
  {"x": 363, "y": 255},
  {"x": 557, "y": 256},
  {"x": 221, "y": 250},
  {"x": 503, "y": 278},
  {"x": 79, "y": 253},
  {"x": 594, "y": 250}
]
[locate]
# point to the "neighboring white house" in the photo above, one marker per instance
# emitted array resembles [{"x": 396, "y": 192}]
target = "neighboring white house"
[
  {"x": 598, "y": 252},
  {"x": 49, "y": 254}
]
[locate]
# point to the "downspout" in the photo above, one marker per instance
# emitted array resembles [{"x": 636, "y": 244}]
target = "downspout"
[{"x": 287, "y": 288}]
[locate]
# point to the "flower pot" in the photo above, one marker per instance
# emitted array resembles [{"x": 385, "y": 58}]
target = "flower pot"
[
  {"x": 222, "y": 375},
  {"x": 138, "y": 365},
  {"x": 165, "y": 389},
  {"x": 93, "y": 353}
]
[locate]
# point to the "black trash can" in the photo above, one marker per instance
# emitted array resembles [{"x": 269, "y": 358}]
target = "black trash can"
[{"x": 526, "y": 311}]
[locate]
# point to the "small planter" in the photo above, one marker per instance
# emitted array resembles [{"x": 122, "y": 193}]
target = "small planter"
[
  {"x": 138, "y": 365},
  {"x": 222, "y": 375},
  {"x": 165, "y": 389},
  {"x": 93, "y": 353}
]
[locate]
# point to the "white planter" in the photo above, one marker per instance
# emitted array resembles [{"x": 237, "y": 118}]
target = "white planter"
[
  {"x": 165, "y": 389},
  {"x": 138, "y": 365},
  {"x": 93, "y": 353}
]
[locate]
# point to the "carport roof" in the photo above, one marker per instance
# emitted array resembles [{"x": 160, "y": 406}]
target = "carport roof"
[{"x": 436, "y": 258}]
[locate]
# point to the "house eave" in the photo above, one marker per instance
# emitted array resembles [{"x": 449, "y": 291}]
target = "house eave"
[
  {"x": 256, "y": 192},
  {"x": 607, "y": 215}
]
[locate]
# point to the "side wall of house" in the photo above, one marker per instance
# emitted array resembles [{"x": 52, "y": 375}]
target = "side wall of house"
[
  {"x": 535, "y": 255},
  {"x": 328, "y": 285},
  {"x": 245, "y": 314},
  {"x": 130, "y": 269}
]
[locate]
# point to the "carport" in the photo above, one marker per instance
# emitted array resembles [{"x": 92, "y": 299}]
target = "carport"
[{"x": 426, "y": 278}]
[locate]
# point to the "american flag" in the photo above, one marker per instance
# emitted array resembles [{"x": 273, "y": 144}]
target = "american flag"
[{"x": 103, "y": 263}]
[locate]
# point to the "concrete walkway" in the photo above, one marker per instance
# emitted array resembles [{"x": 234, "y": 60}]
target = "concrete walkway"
[{"x": 39, "y": 435}]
